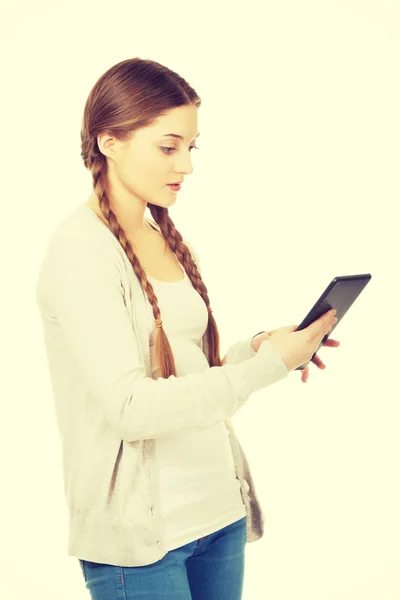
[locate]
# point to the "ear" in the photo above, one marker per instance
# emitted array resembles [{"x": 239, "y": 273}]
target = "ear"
[{"x": 107, "y": 144}]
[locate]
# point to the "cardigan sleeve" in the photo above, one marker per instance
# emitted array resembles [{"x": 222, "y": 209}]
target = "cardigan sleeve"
[{"x": 84, "y": 297}]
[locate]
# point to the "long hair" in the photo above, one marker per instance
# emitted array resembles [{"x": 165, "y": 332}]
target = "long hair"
[{"x": 130, "y": 95}]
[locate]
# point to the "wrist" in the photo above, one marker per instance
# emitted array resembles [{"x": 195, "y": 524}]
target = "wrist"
[{"x": 257, "y": 339}]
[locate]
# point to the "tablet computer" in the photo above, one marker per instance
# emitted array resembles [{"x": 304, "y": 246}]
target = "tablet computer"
[{"x": 340, "y": 294}]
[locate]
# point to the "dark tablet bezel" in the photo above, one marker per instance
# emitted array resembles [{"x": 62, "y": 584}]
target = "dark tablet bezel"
[{"x": 339, "y": 295}]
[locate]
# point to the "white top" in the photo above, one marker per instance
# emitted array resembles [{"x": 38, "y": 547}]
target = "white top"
[{"x": 149, "y": 464}]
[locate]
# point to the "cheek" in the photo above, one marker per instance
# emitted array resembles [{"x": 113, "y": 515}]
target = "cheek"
[
  {"x": 160, "y": 169},
  {"x": 135, "y": 168},
  {"x": 147, "y": 170}
]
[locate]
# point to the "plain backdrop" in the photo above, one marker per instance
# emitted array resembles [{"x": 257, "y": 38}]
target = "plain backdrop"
[{"x": 296, "y": 181}]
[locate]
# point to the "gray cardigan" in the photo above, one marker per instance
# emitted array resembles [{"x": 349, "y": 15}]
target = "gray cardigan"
[{"x": 109, "y": 409}]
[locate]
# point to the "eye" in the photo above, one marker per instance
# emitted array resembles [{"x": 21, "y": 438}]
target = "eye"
[{"x": 166, "y": 149}]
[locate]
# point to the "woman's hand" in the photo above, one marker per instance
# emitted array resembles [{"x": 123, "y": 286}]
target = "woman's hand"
[
  {"x": 317, "y": 361},
  {"x": 258, "y": 339}
]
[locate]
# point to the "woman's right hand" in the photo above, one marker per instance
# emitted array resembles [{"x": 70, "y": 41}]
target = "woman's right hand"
[{"x": 297, "y": 347}]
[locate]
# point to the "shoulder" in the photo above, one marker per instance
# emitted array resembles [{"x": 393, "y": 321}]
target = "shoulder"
[{"x": 80, "y": 239}]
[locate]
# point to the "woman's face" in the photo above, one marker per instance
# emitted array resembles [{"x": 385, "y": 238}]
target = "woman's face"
[{"x": 141, "y": 168}]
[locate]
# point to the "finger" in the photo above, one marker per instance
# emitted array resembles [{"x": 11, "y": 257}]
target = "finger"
[
  {"x": 318, "y": 362},
  {"x": 304, "y": 374},
  {"x": 331, "y": 342}
]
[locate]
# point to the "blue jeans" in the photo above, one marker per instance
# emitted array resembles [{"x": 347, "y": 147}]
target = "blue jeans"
[{"x": 210, "y": 568}]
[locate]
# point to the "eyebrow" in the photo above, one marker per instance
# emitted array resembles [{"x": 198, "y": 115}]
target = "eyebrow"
[{"x": 175, "y": 135}]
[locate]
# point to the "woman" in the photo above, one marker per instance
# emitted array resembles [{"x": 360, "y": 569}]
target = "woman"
[{"x": 160, "y": 497}]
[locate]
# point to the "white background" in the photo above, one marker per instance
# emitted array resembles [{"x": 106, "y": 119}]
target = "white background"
[{"x": 296, "y": 181}]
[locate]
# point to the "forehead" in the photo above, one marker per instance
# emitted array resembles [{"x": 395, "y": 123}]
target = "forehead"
[{"x": 182, "y": 120}]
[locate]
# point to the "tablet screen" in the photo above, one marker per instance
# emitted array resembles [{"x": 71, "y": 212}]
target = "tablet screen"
[{"x": 339, "y": 295}]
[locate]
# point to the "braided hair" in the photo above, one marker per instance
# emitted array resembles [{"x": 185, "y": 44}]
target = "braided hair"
[{"x": 131, "y": 95}]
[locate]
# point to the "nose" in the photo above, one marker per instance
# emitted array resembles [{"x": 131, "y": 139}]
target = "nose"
[{"x": 184, "y": 166}]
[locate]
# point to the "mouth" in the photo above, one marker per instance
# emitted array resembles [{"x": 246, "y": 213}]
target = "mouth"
[{"x": 174, "y": 186}]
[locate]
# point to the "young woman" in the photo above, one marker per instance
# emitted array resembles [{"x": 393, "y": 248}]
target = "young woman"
[{"x": 160, "y": 497}]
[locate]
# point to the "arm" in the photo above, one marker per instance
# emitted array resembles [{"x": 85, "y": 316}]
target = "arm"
[{"x": 84, "y": 294}]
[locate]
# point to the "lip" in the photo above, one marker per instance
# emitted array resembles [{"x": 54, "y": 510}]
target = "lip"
[{"x": 174, "y": 187}]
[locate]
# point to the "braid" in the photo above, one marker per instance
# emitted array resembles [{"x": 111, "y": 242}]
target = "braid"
[
  {"x": 159, "y": 321},
  {"x": 95, "y": 161}
]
